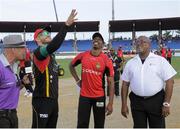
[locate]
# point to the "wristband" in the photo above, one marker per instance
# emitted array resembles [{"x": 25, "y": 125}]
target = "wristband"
[{"x": 166, "y": 104}]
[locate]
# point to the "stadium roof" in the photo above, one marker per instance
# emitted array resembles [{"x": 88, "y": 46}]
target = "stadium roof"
[
  {"x": 144, "y": 25},
  {"x": 84, "y": 26}
]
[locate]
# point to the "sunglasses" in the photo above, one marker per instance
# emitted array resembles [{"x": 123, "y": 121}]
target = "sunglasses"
[{"x": 44, "y": 33}]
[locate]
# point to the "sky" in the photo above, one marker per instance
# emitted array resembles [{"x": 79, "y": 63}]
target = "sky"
[{"x": 88, "y": 10}]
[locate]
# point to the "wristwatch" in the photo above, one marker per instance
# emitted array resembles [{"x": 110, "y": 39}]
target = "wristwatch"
[{"x": 166, "y": 104}]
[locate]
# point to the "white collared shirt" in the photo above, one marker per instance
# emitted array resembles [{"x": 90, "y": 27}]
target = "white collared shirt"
[
  {"x": 148, "y": 78},
  {"x": 14, "y": 66}
]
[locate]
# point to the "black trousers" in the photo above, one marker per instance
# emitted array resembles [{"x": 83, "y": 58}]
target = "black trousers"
[
  {"x": 45, "y": 113},
  {"x": 8, "y": 118},
  {"x": 169, "y": 59},
  {"x": 147, "y": 112},
  {"x": 116, "y": 83},
  {"x": 84, "y": 111}
]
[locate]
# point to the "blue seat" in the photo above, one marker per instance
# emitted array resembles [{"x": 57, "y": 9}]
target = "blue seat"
[
  {"x": 84, "y": 45},
  {"x": 126, "y": 44}
]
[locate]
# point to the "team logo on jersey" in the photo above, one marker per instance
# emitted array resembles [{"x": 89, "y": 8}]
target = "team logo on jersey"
[
  {"x": 98, "y": 65},
  {"x": 43, "y": 115}
]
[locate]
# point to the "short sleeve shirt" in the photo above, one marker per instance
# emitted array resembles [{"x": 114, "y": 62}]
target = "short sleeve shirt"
[
  {"x": 148, "y": 78},
  {"x": 93, "y": 69}
]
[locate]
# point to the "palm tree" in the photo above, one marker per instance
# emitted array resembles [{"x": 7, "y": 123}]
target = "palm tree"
[
  {"x": 167, "y": 34},
  {"x": 154, "y": 37},
  {"x": 178, "y": 32}
]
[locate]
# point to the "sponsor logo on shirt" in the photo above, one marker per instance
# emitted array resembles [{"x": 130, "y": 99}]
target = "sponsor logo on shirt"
[
  {"x": 91, "y": 71},
  {"x": 98, "y": 65},
  {"x": 43, "y": 115}
]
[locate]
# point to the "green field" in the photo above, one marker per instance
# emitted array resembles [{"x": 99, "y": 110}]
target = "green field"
[
  {"x": 176, "y": 65},
  {"x": 65, "y": 64}
]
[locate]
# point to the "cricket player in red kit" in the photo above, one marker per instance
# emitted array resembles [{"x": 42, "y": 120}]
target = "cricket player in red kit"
[{"x": 95, "y": 64}]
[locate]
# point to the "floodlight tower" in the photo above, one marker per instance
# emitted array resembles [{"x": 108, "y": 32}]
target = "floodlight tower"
[
  {"x": 55, "y": 10},
  {"x": 113, "y": 17}
]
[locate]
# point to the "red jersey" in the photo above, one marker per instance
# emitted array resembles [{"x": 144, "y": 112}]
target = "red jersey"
[
  {"x": 120, "y": 53},
  {"x": 163, "y": 52},
  {"x": 169, "y": 53},
  {"x": 93, "y": 69}
]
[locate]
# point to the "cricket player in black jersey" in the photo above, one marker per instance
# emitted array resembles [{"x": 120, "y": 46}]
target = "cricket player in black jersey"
[{"x": 45, "y": 95}]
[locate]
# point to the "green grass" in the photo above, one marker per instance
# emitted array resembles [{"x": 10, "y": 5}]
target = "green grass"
[
  {"x": 176, "y": 65},
  {"x": 65, "y": 64}
]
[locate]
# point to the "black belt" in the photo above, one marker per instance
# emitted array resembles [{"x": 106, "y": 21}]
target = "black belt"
[
  {"x": 147, "y": 97},
  {"x": 7, "y": 110}
]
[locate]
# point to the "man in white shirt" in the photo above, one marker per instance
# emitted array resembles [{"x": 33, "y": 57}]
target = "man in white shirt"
[{"x": 146, "y": 75}]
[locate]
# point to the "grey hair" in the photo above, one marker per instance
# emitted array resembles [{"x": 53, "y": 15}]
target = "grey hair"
[{"x": 145, "y": 38}]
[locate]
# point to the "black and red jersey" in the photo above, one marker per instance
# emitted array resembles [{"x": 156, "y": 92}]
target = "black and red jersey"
[
  {"x": 45, "y": 67},
  {"x": 93, "y": 70},
  {"x": 46, "y": 77}
]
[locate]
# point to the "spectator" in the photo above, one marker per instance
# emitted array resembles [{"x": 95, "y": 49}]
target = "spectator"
[
  {"x": 169, "y": 55},
  {"x": 117, "y": 66}
]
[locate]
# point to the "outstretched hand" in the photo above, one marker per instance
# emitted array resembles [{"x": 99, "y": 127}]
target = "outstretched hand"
[{"x": 71, "y": 19}]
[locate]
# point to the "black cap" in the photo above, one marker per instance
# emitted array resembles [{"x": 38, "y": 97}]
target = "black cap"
[{"x": 97, "y": 34}]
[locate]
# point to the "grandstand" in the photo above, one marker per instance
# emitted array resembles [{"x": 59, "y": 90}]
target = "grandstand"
[
  {"x": 84, "y": 45},
  {"x": 173, "y": 44},
  {"x": 67, "y": 46},
  {"x": 71, "y": 47},
  {"x": 31, "y": 45},
  {"x": 126, "y": 44}
]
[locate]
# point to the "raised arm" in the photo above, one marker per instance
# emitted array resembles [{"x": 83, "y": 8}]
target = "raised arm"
[
  {"x": 59, "y": 38},
  {"x": 42, "y": 52}
]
